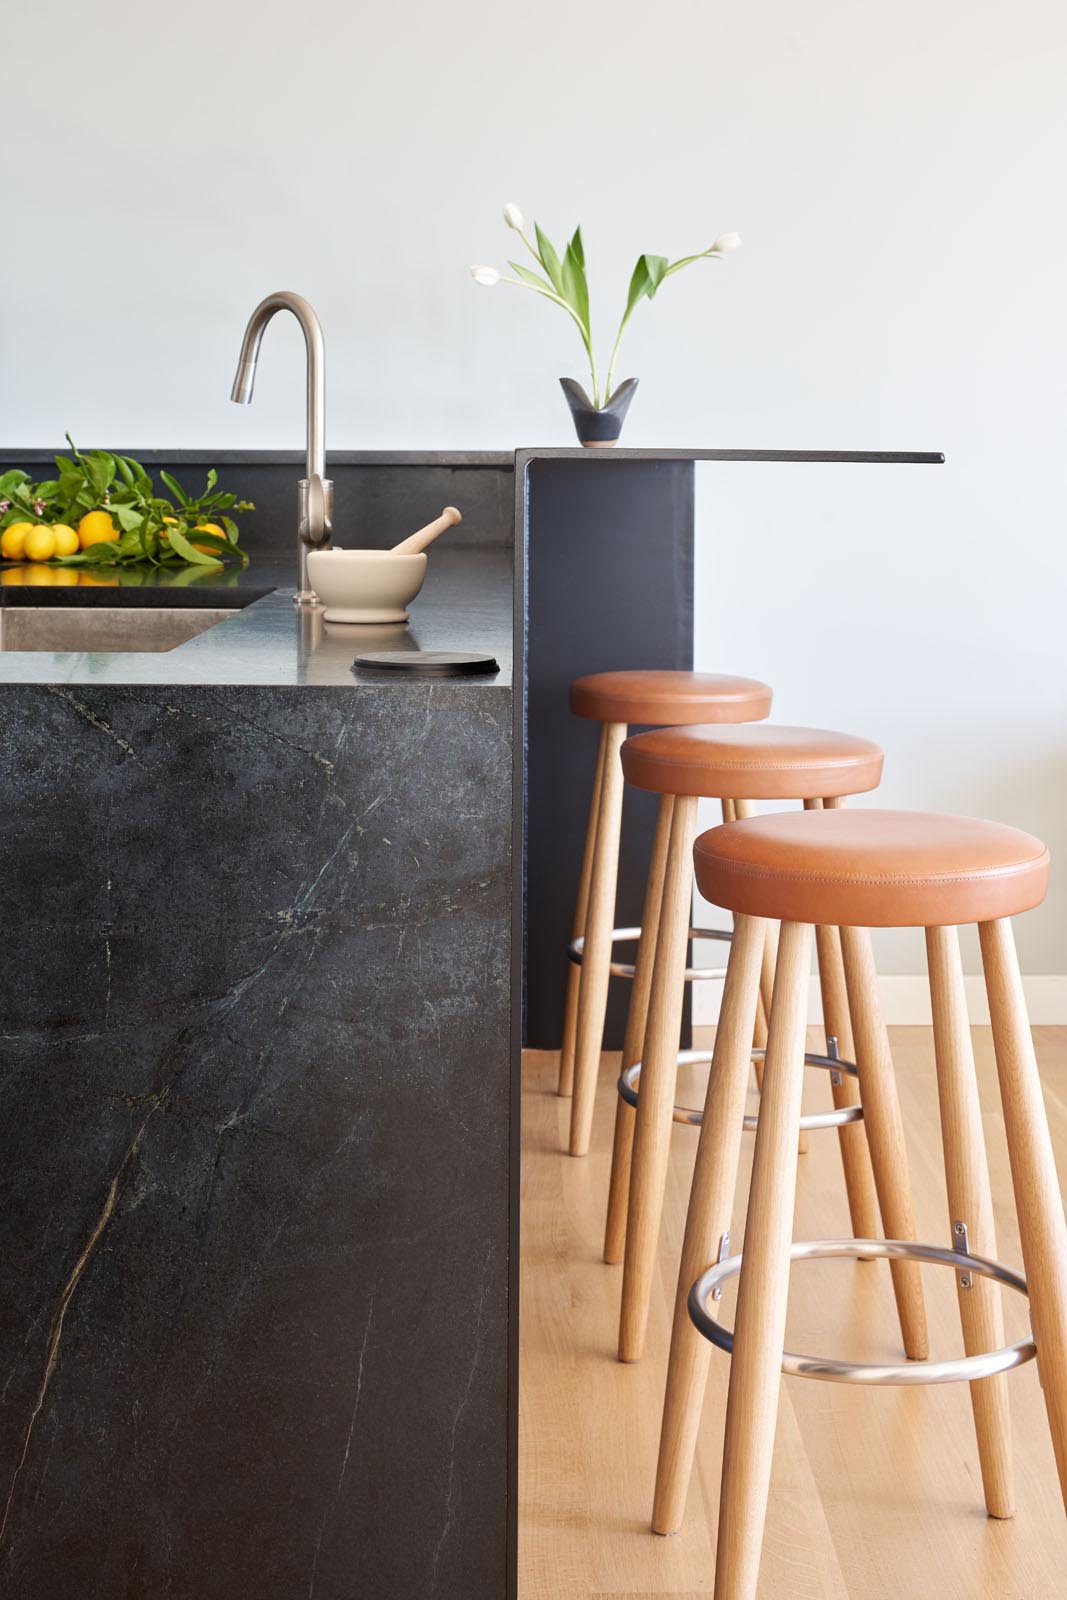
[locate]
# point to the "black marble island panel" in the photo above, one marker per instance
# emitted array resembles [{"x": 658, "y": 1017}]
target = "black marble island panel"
[{"x": 255, "y": 1034}]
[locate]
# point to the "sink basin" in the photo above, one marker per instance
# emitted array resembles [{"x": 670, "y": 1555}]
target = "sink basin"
[{"x": 107, "y": 628}]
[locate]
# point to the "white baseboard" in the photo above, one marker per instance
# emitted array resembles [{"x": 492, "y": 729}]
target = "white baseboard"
[{"x": 906, "y": 999}]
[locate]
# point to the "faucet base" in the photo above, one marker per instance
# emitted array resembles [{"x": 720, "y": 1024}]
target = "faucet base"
[{"x": 306, "y": 597}]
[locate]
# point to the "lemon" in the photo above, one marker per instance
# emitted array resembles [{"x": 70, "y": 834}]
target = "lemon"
[
  {"x": 40, "y": 543},
  {"x": 13, "y": 540},
  {"x": 39, "y": 573},
  {"x": 208, "y": 527},
  {"x": 66, "y": 539},
  {"x": 13, "y": 575},
  {"x": 95, "y": 528}
]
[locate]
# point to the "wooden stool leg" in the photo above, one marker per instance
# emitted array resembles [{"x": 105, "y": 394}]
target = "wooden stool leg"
[
  {"x": 574, "y": 971},
  {"x": 1042, "y": 1228},
  {"x": 707, "y": 1220},
  {"x": 763, "y": 1288},
  {"x": 656, "y": 1090},
  {"x": 599, "y": 926},
  {"x": 837, "y": 1024},
  {"x": 970, "y": 1201},
  {"x": 885, "y": 1131},
  {"x": 633, "y": 1043}
]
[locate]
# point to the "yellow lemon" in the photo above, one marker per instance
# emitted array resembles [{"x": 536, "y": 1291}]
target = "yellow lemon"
[
  {"x": 38, "y": 573},
  {"x": 95, "y": 528},
  {"x": 66, "y": 539},
  {"x": 13, "y": 540},
  {"x": 40, "y": 544},
  {"x": 208, "y": 527}
]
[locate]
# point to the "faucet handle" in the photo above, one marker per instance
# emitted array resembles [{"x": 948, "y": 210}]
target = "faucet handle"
[{"x": 316, "y": 510}]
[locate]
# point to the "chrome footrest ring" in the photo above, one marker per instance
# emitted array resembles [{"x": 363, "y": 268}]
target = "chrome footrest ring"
[
  {"x": 625, "y": 969},
  {"x": 692, "y": 1118},
  {"x": 965, "y": 1369}
]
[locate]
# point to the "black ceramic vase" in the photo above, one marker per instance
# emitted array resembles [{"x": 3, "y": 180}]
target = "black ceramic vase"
[{"x": 598, "y": 427}]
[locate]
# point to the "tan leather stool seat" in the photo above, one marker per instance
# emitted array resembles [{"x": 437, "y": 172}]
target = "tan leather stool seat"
[
  {"x": 872, "y": 869},
  {"x": 669, "y": 697},
  {"x": 752, "y": 763}
]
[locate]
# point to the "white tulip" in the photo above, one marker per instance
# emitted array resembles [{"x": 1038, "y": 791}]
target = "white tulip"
[
  {"x": 513, "y": 217},
  {"x": 485, "y": 275},
  {"x": 725, "y": 242}
]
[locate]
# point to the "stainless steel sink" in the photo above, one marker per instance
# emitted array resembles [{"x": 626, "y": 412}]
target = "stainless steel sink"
[{"x": 106, "y": 628}]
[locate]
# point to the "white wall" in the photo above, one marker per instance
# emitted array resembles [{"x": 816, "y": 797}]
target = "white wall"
[{"x": 897, "y": 175}]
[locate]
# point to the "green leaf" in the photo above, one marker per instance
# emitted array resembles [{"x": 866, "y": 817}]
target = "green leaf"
[
  {"x": 212, "y": 480},
  {"x": 139, "y": 473},
  {"x": 212, "y": 540},
  {"x": 181, "y": 546},
  {"x": 125, "y": 471},
  {"x": 127, "y": 517},
  {"x": 534, "y": 279},
  {"x": 549, "y": 259},
  {"x": 578, "y": 247},
  {"x": 656, "y": 267},
  {"x": 175, "y": 487},
  {"x": 575, "y": 287},
  {"x": 647, "y": 277},
  {"x": 102, "y": 470},
  {"x": 103, "y": 554}
]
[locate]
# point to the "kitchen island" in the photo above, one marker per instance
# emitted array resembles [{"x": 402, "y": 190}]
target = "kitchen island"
[{"x": 257, "y": 1038}]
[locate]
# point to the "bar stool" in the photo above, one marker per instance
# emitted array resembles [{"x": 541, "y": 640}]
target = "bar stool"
[
  {"x": 859, "y": 870},
  {"x": 736, "y": 765},
  {"x": 616, "y": 700}
]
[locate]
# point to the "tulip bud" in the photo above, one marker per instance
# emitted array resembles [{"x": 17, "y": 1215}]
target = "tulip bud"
[
  {"x": 486, "y": 276},
  {"x": 725, "y": 242},
  {"x": 513, "y": 217}
]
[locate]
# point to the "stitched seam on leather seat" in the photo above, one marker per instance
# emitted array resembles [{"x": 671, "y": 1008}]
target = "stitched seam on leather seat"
[
  {"x": 724, "y": 764},
  {"x": 793, "y": 875}
]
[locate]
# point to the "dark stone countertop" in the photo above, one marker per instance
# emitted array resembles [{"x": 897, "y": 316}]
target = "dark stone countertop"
[{"x": 466, "y": 604}]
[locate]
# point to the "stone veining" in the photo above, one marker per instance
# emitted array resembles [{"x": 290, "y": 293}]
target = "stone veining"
[
  {"x": 332, "y": 1504},
  {"x": 55, "y": 1332}
]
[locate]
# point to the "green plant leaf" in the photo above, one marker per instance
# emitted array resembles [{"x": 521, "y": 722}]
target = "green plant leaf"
[
  {"x": 647, "y": 277},
  {"x": 139, "y": 473},
  {"x": 175, "y": 488},
  {"x": 549, "y": 259},
  {"x": 181, "y": 546},
  {"x": 212, "y": 540},
  {"x": 534, "y": 279},
  {"x": 575, "y": 287},
  {"x": 102, "y": 470},
  {"x": 212, "y": 480},
  {"x": 577, "y": 246}
]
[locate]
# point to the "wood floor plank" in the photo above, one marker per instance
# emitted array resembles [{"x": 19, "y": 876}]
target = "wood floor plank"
[{"x": 875, "y": 1494}]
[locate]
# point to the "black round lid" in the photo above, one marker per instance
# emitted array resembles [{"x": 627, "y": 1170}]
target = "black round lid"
[{"x": 428, "y": 663}]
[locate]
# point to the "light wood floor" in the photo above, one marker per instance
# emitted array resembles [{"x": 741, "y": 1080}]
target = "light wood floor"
[{"x": 876, "y": 1494}]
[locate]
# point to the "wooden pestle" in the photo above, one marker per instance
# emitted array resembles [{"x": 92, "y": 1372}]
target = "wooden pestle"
[{"x": 417, "y": 542}]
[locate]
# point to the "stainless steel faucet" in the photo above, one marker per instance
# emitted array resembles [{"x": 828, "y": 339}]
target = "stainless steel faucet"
[{"x": 315, "y": 512}]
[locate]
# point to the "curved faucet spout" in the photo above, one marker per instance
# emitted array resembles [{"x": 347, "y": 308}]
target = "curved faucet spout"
[
  {"x": 244, "y": 380},
  {"x": 316, "y": 491}
]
